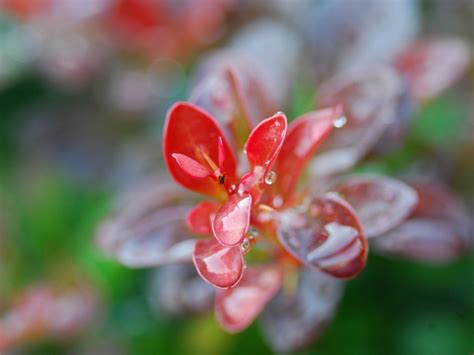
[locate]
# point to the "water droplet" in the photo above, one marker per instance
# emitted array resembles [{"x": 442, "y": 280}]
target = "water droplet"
[
  {"x": 333, "y": 194},
  {"x": 270, "y": 177},
  {"x": 245, "y": 245},
  {"x": 252, "y": 233},
  {"x": 340, "y": 122},
  {"x": 279, "y": 113},
  {"x": 232, "y": 188},
  {"x": 277, "y": 201}
]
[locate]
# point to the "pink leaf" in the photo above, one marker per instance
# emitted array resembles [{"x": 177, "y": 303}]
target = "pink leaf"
[
  {"x": 380, "y": 202},
  {"x": 237, "y": 307},
  {"x": 220, "y": 266},
  {"x": 327, "y": 236},
  {"x": 191, "y": 166}
]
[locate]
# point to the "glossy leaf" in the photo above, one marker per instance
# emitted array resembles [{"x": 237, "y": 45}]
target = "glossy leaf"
[
  {"x": 264, "y": 144},
  {"x": 191, "y": 132},
  {"x": 232, "y": 220},
  {"x": 380, "y": 202},
  {"x": 433, "y": 65},
  {"x": 160, "y": 239},
  {"x": 237, "y": 307},
  {"x": 178, "y": 290},
  {"x": 218, "y": 265},
  {"x": 148, "y": 229},
  {"x": 292, "y": 320},
  {"x": 370, "y": 101},
  {"x": 198, "y": 219},
  {"x": 423, "y": 240},
  {"x": 327, "y": 236},
  {"x": 305, "y": 134}
]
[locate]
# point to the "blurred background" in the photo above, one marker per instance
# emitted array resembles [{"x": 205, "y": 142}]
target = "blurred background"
[{"x": 84, "y": 90}]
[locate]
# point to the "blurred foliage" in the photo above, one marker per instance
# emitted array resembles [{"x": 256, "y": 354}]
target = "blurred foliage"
[{"x": 394, "y": 307}]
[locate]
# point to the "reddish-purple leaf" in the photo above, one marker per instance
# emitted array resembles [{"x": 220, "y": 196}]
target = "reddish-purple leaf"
[
  {"x": 305, "y": 134},
  {"x": 198, "y": 219},
  {"x": 264, "y": 144},
  {"x": 193, "y": 133},
  {"x": 327, "y": 236},
  {"x": 148, "y": 229},
  {"x": 423, "y": 240},
  {"x": 218, "y": 265},
  {"x": 231, "y": 92},
  {"x": 292, "y": 321},
  {"x": 433, "y": 65},
  {"x": 380, "y": 202},
  {"x": 232, "y": 220},
  {"x": 178, "y": 290},
  {"x": 369, "y": 100},
  {"x": 438, "y": 202},
  {"x": 237, "y": 307}
]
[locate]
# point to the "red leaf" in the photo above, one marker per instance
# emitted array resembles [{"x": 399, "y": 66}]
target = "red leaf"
[
  {"x": 198, "y": 219},
  {"x": 328, "y": 236},
  {"x": 232, "y": 220},
  {"x": 220, "y": 266},
  {"x": 433, "y": 65},
  {"x": 423, "y": 240},
  {"x": 237, "y": 307},
  {"x": 292, "y": 321},
  {"x": 191, "y": 132},
  {"x": 380, "y": 202},
  {"x": 264, "y": 144},
  {"x": 304, "y": 136}
]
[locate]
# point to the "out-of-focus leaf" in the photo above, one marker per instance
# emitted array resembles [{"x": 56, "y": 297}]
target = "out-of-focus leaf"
[
  {"x": 381, "y": 202},
  {"x": 423, "y": 240},
  {"x": 432, "y": 65},
  {"x": 237, "y": 307},
  {"x": 292, "y": 321},
  {"x": 149, "y": 228},
  {"x": 178, "y": 289},
  {"x": 439, "y": 231},
  {"x": 231, "y": 92},
  {"x": 370, "y": 101}
]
